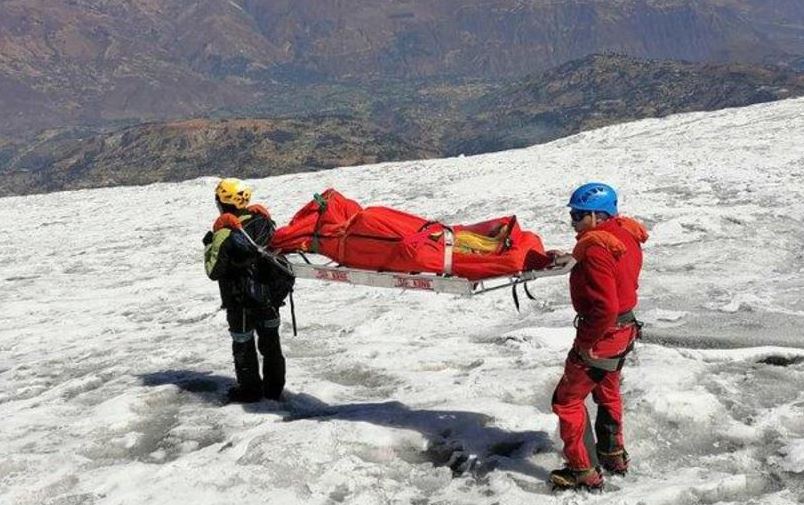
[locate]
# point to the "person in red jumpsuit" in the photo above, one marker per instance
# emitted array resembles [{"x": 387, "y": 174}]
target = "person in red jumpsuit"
[{"x": 603, "y": 288}]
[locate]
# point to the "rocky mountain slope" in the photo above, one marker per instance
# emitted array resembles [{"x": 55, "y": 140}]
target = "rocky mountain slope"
[
  {"x": 89, "y": 62},
  {"x": 428, "y": 121},
  {"x": 600, "y": 90},
  {"x": 182, "y": 150}
]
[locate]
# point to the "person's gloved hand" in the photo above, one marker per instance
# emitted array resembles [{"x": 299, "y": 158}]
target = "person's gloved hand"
[
  {"x": 227, "y": 220},
  {"x": 558, "y": 257},
  {"x": 256, "y": 208}
]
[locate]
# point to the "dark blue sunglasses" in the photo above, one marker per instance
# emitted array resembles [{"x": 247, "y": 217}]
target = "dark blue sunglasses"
[{"x": 578, "y": 215}]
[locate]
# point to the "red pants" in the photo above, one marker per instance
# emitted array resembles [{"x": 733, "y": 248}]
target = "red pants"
[{"x": 578, "y": 381}]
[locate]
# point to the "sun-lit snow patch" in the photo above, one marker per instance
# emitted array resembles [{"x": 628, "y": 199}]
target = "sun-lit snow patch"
[
  {"x": 793, "y": 460},
  {"x": 115, "y": 359}
]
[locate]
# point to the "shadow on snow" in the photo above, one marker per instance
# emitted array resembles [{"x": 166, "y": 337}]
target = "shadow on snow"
[{"x": 462, "y": 440}]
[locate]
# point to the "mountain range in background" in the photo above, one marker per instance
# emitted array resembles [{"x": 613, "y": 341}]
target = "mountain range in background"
[
  {"x": 375, "y": 81},
  {"x": 79, "y": 62},
  {"x": 596, "y": 91}
]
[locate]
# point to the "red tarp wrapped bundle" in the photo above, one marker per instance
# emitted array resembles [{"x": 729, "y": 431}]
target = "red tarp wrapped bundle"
[{"x": 388, "y": 240}]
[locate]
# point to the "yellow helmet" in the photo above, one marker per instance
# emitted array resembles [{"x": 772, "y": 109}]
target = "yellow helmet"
[{"x": 231, "y": 191}]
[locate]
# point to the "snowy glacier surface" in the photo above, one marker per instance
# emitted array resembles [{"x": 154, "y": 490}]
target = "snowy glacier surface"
[{"x": 114, "y": 356}]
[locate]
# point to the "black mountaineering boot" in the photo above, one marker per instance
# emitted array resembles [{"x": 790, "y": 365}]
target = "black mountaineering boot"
[{"x": 615, "y": 462}]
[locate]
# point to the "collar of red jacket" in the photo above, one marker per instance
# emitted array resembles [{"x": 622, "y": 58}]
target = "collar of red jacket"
[
  {"x": 229, "y": 220},
  {"x": 601, "y": 235}
]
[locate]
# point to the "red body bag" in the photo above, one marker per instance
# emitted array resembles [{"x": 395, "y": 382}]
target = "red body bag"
[{"x": 384, "y": 239}]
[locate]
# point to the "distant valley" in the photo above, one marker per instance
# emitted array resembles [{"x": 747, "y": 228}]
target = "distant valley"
[{"x": 424, "y": 121}]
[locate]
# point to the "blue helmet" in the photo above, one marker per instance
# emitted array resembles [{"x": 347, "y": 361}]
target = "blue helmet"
[{"x": 594, "y": 196}]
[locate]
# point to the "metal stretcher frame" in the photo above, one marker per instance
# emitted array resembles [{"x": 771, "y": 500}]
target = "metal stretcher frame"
[{"x": 422, "y": 282}]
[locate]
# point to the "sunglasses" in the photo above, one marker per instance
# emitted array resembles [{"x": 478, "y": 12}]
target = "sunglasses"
[{"x": 578, "y": 215}]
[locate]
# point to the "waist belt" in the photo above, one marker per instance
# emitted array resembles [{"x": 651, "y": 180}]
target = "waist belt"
[
  {"x": 623, "y": 319},
  {"x": 615, "y": 363},
  {"x": 608, "y": 364}
]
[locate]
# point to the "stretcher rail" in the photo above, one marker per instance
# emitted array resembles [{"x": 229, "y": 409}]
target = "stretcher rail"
[{"x": 424, "y": 281}]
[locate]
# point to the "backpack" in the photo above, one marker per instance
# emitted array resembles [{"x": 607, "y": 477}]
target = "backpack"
[
  {"x": 270, "y": 277},
  {"x": 276, "y": 272}
]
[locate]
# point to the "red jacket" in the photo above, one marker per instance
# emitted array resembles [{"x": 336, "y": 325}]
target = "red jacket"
[{"x": 604, "y": 282}]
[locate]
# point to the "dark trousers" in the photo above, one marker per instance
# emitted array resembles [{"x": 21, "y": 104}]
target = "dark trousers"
[{"x": 243, "y": 323}]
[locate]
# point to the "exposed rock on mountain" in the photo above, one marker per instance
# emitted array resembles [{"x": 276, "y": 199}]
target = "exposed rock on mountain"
[
  {"x": 88, "y": 62},
  {"x": 427, "y": 121},
  {"x": 604, "y": 89},
  {"x": 186, "y": 149}
]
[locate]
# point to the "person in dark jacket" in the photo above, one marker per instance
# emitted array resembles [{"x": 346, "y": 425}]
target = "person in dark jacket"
[
  {"x": 603, "y": 289},
  {"x": 233, "y": 261}
]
